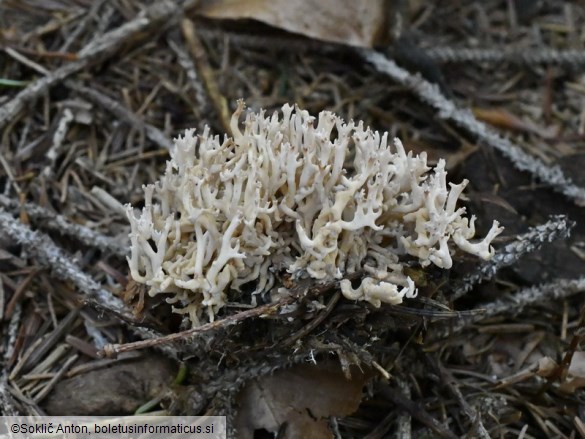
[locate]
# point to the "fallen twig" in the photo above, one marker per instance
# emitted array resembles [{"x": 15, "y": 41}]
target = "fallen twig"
[
  {"x": 269, "y": 309},
  {"x": 7, "y": 404},
  {"x": 447, "y": 110},
  {"x": 415, "y": 410},
  {"x": 471, "y": 414},
  {"x": 313, "y": 323},
  {"x": 60, "y": 224},
  {"x": 558, "y": 227},
  {"x": 514, "y": 304},
  {"x": 526, "y": 56},
  {"x": 195, "y": 83},
  {"x": 49, "y": 254},
  {"x": 6, "y": 401},
  {"x": 207, "y": 75},
  {"x": 560, "y": 372}
]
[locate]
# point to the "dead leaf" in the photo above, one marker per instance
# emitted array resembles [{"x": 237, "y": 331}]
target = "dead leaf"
[
  {"x": 114, "y": 390},
  {"x": 501, "y": 118},
  {"x": 299, "y": 400},
  {"x": 361, "y": 24}
]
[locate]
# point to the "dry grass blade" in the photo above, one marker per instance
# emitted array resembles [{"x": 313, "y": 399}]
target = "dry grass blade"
[
  {"x": 47, "y": 343},
  {"x": 51, "y": 384},
  {"x": 108, "y": 104},
  {"x": 208, "y": 76}
]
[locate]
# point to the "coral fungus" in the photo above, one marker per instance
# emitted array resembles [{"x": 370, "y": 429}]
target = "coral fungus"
[{"x": 319, "y": 198}]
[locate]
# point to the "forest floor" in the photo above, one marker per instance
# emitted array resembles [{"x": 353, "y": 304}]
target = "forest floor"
[{"x": 93, "y": 92}]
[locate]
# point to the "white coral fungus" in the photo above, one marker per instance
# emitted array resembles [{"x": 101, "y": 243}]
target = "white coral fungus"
[{"x": 319, "y": 201}]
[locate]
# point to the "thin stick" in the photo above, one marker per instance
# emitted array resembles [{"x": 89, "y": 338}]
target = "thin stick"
[
  {"x": 207, "y": 75},
  {"x": 470, "y": 412},
  {"x": 415, "y": 410},
  {"x": 51, "y": 384},
  {"x": 197, "y": 86},
  {"x": 7, "y": 404},
  {"x": 313, "y": 323},
  {"x": 262, "y": 311},
  {"x": 6, "y": 401},
  {"x": 49, "y": 254},
  {"x": 447, "y": 110},
  {"x": 560, "y": 372}
]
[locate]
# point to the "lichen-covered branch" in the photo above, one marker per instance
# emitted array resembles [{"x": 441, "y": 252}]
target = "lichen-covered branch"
[
  {"x": 513, "y": 304},
  {"x": 61, "y": 225},
  {"x": 7, "y": 405},
  {"x": 48, "y": 254},
  {"x": 527, "y": 56},
  {"x": 447, "y": 110},
  {"x": 558, "y": 227}
]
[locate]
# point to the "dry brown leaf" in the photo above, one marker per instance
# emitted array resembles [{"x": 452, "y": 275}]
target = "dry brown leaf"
[
  {"x": 362, "y": 24},
  {"x": 299, "y": 400},
  {"x": 118, "y": 389},
  {"x": 501, "y": 118}
]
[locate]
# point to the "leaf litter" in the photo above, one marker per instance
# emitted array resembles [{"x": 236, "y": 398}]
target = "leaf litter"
[{"x": 92, "y": 95}]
